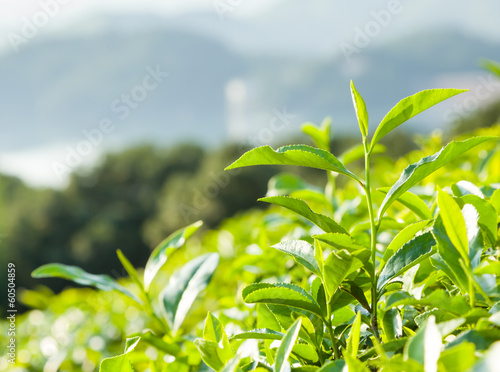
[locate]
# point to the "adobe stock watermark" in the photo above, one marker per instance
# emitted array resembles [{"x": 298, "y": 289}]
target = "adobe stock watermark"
[
  {"x": 223, "y": 7},
  {"x": 486, "y": 88},
  {"x": 219, "y": 180},
  {"x": 31, "y": 26},
  {"x": 122, "y": 107},
  {"x": 363, "y": 36}
]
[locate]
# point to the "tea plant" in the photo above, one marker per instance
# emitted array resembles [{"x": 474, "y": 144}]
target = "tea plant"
[
  {"x": 167, "y": 310},
  {"x": 371, "y": 302}
]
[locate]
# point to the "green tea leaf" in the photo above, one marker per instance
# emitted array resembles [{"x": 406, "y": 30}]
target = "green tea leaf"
[
  {"x": 300, "y": 155},
  {"x": 412, "y": 202},
  {"x": 120, "y": 363},
  {"x": 360, "y": 109},
  {"x": 487, "y": 215},
  {"x": 393, "y": 324},
  {"x": 353, "y": 340},
  {"x": 340, "y": 241},
  {"x": 410, "y": 254},
  {"x": 404, "y": 236},
  {"x": 491, "y": 66},
  {"x": 214, "y": 331},
  {"x": 410, "y": 107},
  {"x": 159, "y": 256},
  {"x": 320, "y": 135},
  {"x": 184, "y": 286},
  {"x": 129, "y": 268},
  {"x": 80, "y": 276},
  {"x": 281, "y": 294},
  {"x": 416, "y": 172},
  {"x": 337, "y": 266},
  {"x": 457, "y": 359},
  {"x": 300, "y": 207},
  {"x": 302, "y": 252},
  {"x": 357, "y": 152},
  {"x": 438, "y": 299},
  {"x": 425, "y": 346},
  {"x": 209, "y": 353},
  {"x": 286, "y": 346},
  {"x": 454, "y": 223},
  {"x": 259, "y": 334}
]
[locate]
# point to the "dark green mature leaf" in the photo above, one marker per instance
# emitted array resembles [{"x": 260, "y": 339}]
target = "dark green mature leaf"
[
  {"x": 80, "y": 276},
  {"x": 336, "y": 366},
  {"x": 259, "y": 334},
  {"x": 404, "y": 236},
  {"x": 184, "y": 286},
  {"x": 416, "y": 172},
  {"x": 159, "y": 256},
  {"x": 360, "y": 109},
  {"x": 413, "y": 203},
  {"x": 120, "y": 363},
  {"x": 302, "y": 252},
  {"x": 410, "y": 107},
  {"x": 454, "y": 223},
  {"x": 300, "y": 207},
  {"x": 300, "y": 155},
  {"x": 286, "y": 346},
  {"x": 408, "y": 256},
  {"x": 281, "y": 294}
]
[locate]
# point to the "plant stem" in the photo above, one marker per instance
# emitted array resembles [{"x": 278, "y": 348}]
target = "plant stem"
[{"x": 373, "y": 246}]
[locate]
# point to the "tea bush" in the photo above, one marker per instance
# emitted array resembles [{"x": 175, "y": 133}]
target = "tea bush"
[{"x": 391, "y": 266}]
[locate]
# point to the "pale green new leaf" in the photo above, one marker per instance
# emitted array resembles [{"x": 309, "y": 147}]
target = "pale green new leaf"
[
  {"x": 357, "y": 152},
  {"x": 300, "y": 207},
  {"x": 80, "y": 276},
  {"x": 120, "y": 363},
  {"x": 425, "y": 346},
  {"x": 129, "y": 268},
  {"x": 353, "y": 340},
  {"x": 339, "y": 241},
  {"x": 454, "y": 223},
  {"x": 302, "y": 252},
  {"x": 281, "y": 294},
  {"x": 184, "y": 286},
  {"x": 320, "y": 135},
  {"x": 416, "y": 172},
  {"x": 410, "y": 107},
  {"x": 412, "y": 202},
  {"x": 413, "y": 252},
  {"x": 337, "y": 266},
  {"x": 360, "y": 109},
  {"x": 159, "y": 256},
  {"x": 214, "y": 331},
  {"x": 492, "y": 66},
  {"x": 458, "y": 358},
  {"x": 404, "y": 236},
  {"x": 299, "y": 155},
  {"x": 259, "y": 334},
  {"x": 286, "y": 346},
  {"x": 209, "y": 353}
]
